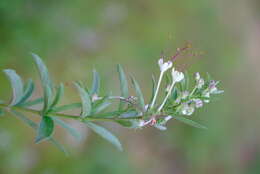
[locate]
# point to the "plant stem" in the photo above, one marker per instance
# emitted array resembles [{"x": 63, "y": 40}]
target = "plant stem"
[
  {"x": 157, "y": 89},
  {"x": 167, "y": 96},
  {"x": 194, "y": 89},
  {"x": 75, "y": 117}
]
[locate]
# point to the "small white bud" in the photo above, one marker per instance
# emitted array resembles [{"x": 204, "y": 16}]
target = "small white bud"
[
  {"x": 177, "y": 76},
  {"x": 164, "y": 66}
]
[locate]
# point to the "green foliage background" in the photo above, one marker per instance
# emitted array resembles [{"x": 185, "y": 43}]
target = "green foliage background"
[{"x": 73, "y": 37}]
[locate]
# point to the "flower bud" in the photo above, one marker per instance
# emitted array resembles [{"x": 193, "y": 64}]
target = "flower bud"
[
  {"x": 164, "y": 66},
  {"x": 177, "y": 76}
]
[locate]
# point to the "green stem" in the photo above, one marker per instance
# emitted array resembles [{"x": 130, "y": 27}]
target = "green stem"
[
  {"x": 167, "y": 96},
  {"x": 194, "y": 89},
  {"x": 157, "y": 89},
  {"x": 75, "y": 117}
]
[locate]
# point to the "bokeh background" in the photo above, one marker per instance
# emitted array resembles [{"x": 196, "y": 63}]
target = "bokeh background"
[{"x": 73, "y": 37}]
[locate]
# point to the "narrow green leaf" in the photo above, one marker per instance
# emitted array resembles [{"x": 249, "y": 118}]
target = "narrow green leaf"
[
  {"x": 187, "y": 80},
  {"x": 138, "y": 93},
  {"x": 59, "y": 94},
  {"x": 70, "y": 129},
  {"x": 105, "y": 134},
  {"x": 125, "y": 123},
  {"x": 29, "y": 87},
  {"x": 47, "y": 99},
  {"x": 189, "y": 122},
  {"x": 100, "y": 105},
  {"x": 133, "y": 124},
  {"x": 32, "y": 103},
  {"x": 184, "y": 84},
  {"x": 34, "y": 125},
  {"x": 45, "y": 129},
  {"x": 96, "y": 83},
  {"x": 17, "y": 85},
  {"x": 129, "y": 114},
  {"x": 25, "y": 119},
  {"x": 86, "y": 101},
  {"x": 175, "y": 93},
  {"x": 123, "y": 84},
  {"x": 44, "y": 74},
  {"x": 46, "y": 82},
  {"x": 66, "y": 107}
]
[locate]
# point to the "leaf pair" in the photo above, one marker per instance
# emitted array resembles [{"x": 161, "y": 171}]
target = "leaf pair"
[{"x": 36, "y": 127}]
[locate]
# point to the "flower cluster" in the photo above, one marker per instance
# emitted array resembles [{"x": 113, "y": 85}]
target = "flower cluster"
[{"x": 178, "y": 101}]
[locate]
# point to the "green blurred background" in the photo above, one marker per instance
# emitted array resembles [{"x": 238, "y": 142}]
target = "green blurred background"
[{"x": 73, "y": 37}]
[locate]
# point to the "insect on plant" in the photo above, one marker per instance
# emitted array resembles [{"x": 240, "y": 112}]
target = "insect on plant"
[{"x": 132, "y": 112}]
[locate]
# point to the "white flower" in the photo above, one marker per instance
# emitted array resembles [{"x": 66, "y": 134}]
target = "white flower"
[
  {"x": 187, "y": 109},
  {"x": 164, "y": 66},
  {"x": 177, "y": 76}
]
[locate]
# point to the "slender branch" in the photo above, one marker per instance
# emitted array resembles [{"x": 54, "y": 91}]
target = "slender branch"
[
  {"x": 167, "y": 96},
  {"x": 157, "y": 89},
  {"x": 75, "y": 117}
]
